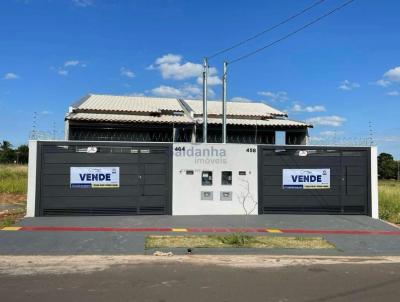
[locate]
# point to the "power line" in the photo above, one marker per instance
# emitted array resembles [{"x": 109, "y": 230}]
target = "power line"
[
  {"x": 266, "y": 30},
  {"x": 292, "y": 33}
]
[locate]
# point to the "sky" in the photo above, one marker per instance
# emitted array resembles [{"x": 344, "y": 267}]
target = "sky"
[{"x": 341, "y": 74}]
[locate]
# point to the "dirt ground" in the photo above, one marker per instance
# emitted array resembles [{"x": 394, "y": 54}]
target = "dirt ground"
[
  {"x": 12, "y": 198},
  {"x": 12, "y": 207}
]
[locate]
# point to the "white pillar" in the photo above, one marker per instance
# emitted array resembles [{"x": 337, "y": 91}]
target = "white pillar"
[
  {"x": 31, "y": 198},
  {"x": 66, "y": 130},
  {"x": 374, "y": 183}
]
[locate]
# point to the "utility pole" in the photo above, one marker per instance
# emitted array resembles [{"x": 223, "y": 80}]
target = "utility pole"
[
  {"x": 205, "y": 72},
  {"x": 224, "y": 103}
]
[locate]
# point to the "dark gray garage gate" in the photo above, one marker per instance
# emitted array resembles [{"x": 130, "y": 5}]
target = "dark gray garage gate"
[
  {"x": 349, "y": 188},
  {"x": 145, "y": 179}
]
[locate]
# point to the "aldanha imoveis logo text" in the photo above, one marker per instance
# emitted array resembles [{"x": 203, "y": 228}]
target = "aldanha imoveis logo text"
[{"x": 202, "y": 155}]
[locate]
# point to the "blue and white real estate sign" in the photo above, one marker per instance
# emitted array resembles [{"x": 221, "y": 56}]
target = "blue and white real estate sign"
[
  {"x": 94, "y": 177},
  {"x": 306, "y": 178}
]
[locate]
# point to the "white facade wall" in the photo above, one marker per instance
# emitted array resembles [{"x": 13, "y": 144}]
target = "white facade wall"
[
  {"x": 31, "y": 198},
  {"x": 191, "y": 160},
  {"x": 374, "y": 183}
]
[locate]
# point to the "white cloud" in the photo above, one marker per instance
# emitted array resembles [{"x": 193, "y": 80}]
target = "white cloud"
[
  {"x": 331, "y": 120},
  {"x": 192, "y": 91},
  {"x": 10, "y": 76},
  {"x": 62, "y": 72},
  {"x": 177, "y": 71},
  {"x": 47, "y": 112},
  {"x": 393, "y": 93},
  {"x": 127, "y": 73},
  {"x": 187, "y": 91},
  {"x": 74, "y": 63},
  {"x": 71, "y": 63},
  {"x": 347, "y": 85},
  {"x": 211, "y": 80},
  {"x": 172, "y": 67},
  {"x": 83, "y": 3},
  {"x": 240, "y": 100},
  {"x": 211, "y": 93},
  {"x": 393, "y": 74},
  {"x": 168, "y": 59},
  {"x": 280, "y": 96},
  {"x": 383, "y": 83},
  {"x": 166, "y": 91},
  {"x": 299, "y": 108}
]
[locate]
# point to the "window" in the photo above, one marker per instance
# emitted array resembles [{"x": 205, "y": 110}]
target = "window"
[
  {"x": 206, "y": 178},
  {"x": 226, "y": 178}
]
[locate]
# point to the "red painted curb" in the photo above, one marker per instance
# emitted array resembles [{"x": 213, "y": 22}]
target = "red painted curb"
[
  {"x": 206, "y": 230},
  {"x": 340, "y": 232},
  {"x": 92, "y": 229}
]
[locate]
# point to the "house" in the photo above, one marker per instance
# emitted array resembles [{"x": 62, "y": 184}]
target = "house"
[{"x": 149, "y": 119}]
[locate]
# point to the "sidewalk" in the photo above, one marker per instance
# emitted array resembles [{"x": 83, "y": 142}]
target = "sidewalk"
[{"x": 352, "y": 235}]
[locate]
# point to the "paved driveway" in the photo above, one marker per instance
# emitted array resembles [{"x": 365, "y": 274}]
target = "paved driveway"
[{"x": 117, "y": 241}]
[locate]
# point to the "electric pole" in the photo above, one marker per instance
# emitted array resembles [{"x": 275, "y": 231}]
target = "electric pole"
[
  {"x": 224, "y": 103},
  {"x": 205, "y": 72}
]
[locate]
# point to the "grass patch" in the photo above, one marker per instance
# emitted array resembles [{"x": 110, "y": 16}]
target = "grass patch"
[
  {"x": 13, "y": 179},
  {"x": 236, "y": 241},
  {"x": 389, "y": 200}
]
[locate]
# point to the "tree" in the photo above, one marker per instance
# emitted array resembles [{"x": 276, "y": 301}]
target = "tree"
[
  {"x": 246, "y": 199},
  {"x": 5, "y": 145},
  {"x": 22, "y": 154},
  {"x": 7, "y": 153},
  {"x": 387, "y": 166}
]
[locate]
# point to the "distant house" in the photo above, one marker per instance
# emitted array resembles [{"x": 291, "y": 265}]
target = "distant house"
[{"x": 149, "y": 119}]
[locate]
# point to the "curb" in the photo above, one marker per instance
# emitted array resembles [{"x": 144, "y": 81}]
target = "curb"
[{"x": 199, "y": 230}]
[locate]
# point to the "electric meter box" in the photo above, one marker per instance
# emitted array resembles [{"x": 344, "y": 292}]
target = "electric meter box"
[{"x": 224, "y": 179}]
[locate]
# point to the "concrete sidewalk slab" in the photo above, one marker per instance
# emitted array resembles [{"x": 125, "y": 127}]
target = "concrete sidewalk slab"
[
  {"x": 124, "y": 243},
  {"x": 272, "y": 221}
]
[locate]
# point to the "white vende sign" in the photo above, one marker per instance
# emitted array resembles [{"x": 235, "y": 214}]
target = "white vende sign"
[
  {"x": 94, "y": 177},
  {"x": 306, "y": 178}
]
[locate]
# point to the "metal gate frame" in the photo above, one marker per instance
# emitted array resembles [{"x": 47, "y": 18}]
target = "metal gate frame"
[
  {"x": 260, "y": 148},
  {"x": 39, "y": 160}
]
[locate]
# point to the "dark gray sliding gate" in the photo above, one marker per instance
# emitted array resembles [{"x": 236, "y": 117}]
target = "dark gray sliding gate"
[
  {"x": 349, "y": 174},
  {"x": 145, "y": 179}
]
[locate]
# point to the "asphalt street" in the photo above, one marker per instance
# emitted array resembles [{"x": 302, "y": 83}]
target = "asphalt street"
[{"x": 162, "y": 282}]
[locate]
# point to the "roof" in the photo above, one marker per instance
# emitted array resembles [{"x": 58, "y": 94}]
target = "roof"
[
  {"x": 126, "y": 118},
  {"x": 235, "y": 108},
  {"x": 260, "y": 123},
  {"x": 117, "y": 103},
  {"x": 140, "y": 109}
]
